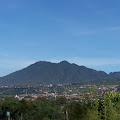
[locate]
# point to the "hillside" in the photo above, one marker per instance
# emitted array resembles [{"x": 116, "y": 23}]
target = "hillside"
[{"x": 64, "y": 72}]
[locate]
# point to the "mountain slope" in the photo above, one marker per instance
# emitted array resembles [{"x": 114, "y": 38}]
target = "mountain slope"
[{"x": 46, "y": 72}]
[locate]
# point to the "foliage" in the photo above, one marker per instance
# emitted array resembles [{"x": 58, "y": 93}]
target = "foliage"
[
  {"x": 76, "y": 111},
  {"x": 61, "y": 109}
]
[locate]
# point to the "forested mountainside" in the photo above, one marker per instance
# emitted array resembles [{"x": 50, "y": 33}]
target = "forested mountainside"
[{"x": 64, "y": 72}]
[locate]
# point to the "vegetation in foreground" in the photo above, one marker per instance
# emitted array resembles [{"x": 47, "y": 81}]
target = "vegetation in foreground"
[{"x": 107, "y": 108}]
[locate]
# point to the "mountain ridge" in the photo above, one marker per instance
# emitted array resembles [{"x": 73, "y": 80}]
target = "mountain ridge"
[{"x": 45, "y": 72}]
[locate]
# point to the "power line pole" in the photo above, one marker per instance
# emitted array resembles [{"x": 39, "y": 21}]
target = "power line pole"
[
  {"x": 8, "y": 115},
  {"x": 21, "y": 117},
  {"x": 67, "y": 115},
  {"x": 55, "y": 95},
  {"x": 105, "y": 104}
]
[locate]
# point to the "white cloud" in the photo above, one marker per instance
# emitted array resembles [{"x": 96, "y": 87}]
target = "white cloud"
[
  {"x": 115, "y": 28},
  {"x": 3, "y": 54},
  {"x": 91, "y": 31},
  {"x": 9, "y": 66},
  {"x": 89, "y": 61},
  {"x": 104, "y": 64},
  {"x": 15, "y": 64}
]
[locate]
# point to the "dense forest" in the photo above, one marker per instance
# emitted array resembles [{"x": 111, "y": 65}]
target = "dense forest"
[{"x": 90, "y": 108}]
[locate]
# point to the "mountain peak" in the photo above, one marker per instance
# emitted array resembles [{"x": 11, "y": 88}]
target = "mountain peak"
[
  {"x": 43, "y": 72},
  {"x": 64, "y": 62}
]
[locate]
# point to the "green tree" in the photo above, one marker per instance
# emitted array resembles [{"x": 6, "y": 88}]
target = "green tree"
[
  {"x": 76, "y": 111},
  {"x": 10, "y": 105}
]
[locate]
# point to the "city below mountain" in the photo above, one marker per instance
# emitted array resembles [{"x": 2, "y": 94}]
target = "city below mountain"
[{"x": 59, "y": 73}]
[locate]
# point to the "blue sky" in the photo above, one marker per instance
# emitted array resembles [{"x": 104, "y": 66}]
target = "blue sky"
[{"x": 86, "y": 32}]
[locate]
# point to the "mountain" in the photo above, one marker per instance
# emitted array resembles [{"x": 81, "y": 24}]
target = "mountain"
[
  {"x": 64, "y": 72},
  {"x": 115, "y": 75}
]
